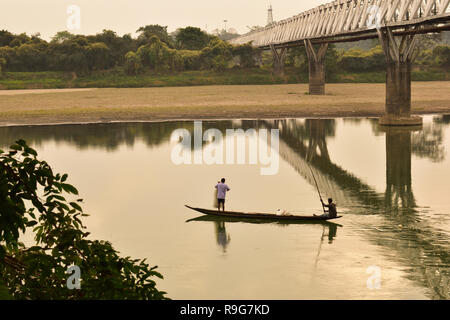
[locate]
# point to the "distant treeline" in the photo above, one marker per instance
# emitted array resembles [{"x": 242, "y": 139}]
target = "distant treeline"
[
  {"x": 190, "y": 48},
  {"x": 432, "y": 54}
]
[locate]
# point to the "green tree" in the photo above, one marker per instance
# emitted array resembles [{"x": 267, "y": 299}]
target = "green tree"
[
  {"x": 358, "y": 60},
  {"x": 19, "y": 39},
  {"x": 331, "y": 61},
  {"x": 191, "y": 38},
  {"x": 2, "y": 65},
  {"x": 70, "y": 54},
  {"x": 5, "y": 38},
  {"x": 33, "y": 198},
  {"x": 147, "y": 32},
  {"x": 441, "y": 56},
  {"x": 62, "y": 36},
  {"x": 192, "y": 59},
  {"x": 144, "y": 55},
  {"x": 217, "y": 55},
  {"x": 133, "y": 65},
  {"x": 99, "y": 56},
  {"x": 8, "y": 55},
  {"x": 297, "y": 57},
  {"x": 176, "y": 61},
  {"x": 247, "y": 54},
  {"x": 158, "y": 54},
  {"x": 29, "y": 57},
  {"x": 159, "y": 57},
  {"x": 118, "y": 46}
]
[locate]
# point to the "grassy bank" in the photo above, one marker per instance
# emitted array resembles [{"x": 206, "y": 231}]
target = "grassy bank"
[
  {"x": 255, "y": 76},
  {"x": 209, "y": 102}
]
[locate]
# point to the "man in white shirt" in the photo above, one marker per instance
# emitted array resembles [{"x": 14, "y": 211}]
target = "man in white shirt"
[{"x": 222, "y": 189}]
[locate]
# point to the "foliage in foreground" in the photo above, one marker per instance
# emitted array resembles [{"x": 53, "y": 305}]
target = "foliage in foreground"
[{"x": 32, "y": 197}]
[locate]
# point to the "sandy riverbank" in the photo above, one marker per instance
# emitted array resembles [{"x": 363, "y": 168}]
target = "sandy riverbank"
[{"x": 209, "y": 102}]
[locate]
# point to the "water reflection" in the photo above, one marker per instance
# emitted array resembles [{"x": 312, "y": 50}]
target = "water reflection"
[
  {"x": 399, "y": 194},
  {"x": 332, "y": 232},
  {"x": 416, "y": 243},
  {"x": 222, "y": 237},
  {"x": 305, "y": 145}
]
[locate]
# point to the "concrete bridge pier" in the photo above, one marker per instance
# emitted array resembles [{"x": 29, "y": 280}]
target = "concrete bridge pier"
[
  {"x": 316, "y": 59},
  {"x": 399, "y": 58},
  {"x": 279, "y": 56}
]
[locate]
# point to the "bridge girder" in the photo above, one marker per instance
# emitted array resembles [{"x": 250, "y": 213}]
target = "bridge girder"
[{"x": 345, "y": 20}]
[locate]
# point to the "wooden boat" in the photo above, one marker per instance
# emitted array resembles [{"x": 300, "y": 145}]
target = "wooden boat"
[
  {"x": 260, "y": 216},
  {"x": 211, "y": 218}
]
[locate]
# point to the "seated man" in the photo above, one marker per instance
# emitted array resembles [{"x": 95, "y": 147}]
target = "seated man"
[{"x": 332, "y": 211}]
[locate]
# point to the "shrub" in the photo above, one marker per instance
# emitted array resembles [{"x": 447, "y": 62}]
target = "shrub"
[
  {"x": 133, "y": 65},
  {"x": 441, "y": 55},
  {"x": 247, "y": 54},
  {"x": 33, "y": 198},
  {"x": 357, "y": 60},
  {"x": 191, "y": 59},
  {"x": 2, "y": 65}
]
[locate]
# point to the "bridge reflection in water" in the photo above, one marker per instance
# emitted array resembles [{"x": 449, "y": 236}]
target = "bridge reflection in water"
[
  {"x": 399, "y": 192},
  {"x": 304, "y": 143},
  {"x": 419, "y": 246}
]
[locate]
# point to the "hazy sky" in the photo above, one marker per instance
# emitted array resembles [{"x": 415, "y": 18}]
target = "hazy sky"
[{"x": 126, "y": 16}]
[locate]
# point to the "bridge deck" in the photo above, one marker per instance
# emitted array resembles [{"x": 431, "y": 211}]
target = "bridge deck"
[{"x": 349, "y": 20}]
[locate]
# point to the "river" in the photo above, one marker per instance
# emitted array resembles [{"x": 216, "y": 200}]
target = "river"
[{"x": 390, "y": 184}]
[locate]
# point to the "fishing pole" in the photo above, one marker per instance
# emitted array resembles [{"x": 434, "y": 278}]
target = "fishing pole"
[{"x": 317, "y": 186}]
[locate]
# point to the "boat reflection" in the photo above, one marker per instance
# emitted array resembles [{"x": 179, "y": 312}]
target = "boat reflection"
[
  {"x": 223, "y": 238},
  {"x": 260, "y": 221}
]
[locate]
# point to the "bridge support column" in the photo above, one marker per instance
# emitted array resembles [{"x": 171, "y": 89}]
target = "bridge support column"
[
  {"x": 316, "y": 61},
  {"x": 279, "y": 56},
  {"x": 399, "y": 58}
]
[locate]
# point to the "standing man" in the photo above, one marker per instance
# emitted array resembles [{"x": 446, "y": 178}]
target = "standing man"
[{"x": 222, "y": 189}]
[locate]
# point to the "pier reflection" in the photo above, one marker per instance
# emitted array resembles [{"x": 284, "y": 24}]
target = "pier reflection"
[{"x": 399, "y": 193}]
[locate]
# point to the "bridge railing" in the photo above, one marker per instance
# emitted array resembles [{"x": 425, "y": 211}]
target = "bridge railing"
[{"x": 348, "y": 17}]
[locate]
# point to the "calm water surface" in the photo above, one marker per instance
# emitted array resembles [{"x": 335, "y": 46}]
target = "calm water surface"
[{"x": 392, "y": 186}]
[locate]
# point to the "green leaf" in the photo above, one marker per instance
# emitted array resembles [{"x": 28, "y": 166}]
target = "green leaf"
[
  {"x": 76, "y": 206},
  {"x": 16, "y": 147},
  {"x": 69, "y": 188},
  {"x": 31, "y": 223}
]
